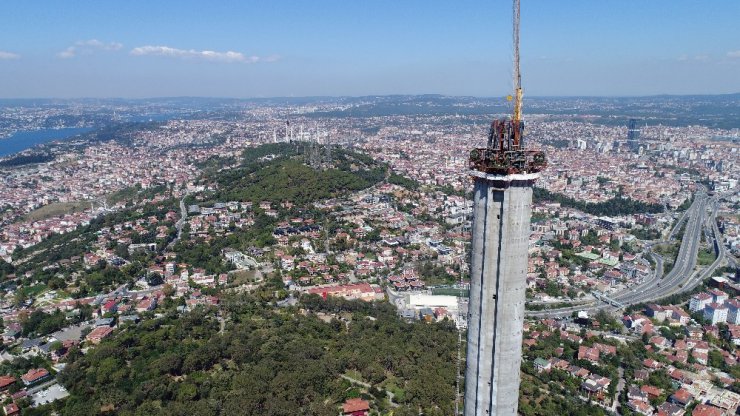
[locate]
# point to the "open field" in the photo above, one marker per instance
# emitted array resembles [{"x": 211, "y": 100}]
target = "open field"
[{"x": 56, "y": 209}]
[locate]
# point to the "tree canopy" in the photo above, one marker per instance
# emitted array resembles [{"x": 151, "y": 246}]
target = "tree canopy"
[
  {"x": 613, "y": 207},
  {"x": 276, "y": 173},
  {"x": 266, "y": 362}
]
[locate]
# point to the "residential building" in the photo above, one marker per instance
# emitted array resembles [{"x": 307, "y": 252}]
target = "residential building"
[
  {"x": 34, "y": 376},
  {"x": 715, "y": 313},
  {"x": 707, "y": 410},
  {"x": 356, "y": 407},
  {"x": 718, "y": 296},
  {"x": 699, "y": 301},
  {"x": 733, "y": 312},
  {"x": 99, "y": 334},
  {"x": 6, "y": 381}
]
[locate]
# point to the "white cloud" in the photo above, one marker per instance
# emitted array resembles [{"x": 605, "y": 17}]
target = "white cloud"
[
  {"x": 87, "y": 47},
  {"x": 228, "y": 56},
  {"x": 111, "y": 46},
  {"x": 68, "y": 53},
  {"x": 697, "y": 58},
  {"x": 8, "y": 55},
  {"x": 733, "y": 54}
]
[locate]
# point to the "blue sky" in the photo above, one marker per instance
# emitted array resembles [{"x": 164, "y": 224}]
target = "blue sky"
[{"x": 244, "y": 48}]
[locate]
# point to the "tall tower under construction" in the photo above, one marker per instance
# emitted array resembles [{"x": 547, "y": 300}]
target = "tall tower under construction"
[{"x": 503, "y": 173}]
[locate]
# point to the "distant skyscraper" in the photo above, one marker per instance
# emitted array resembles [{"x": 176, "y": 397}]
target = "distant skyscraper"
[{"x": 633, "y": 136}]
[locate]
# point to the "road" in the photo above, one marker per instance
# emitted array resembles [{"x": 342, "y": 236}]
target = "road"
[
  {"x": 552, "y": 302},
  {"x": 396, "y": 299},
  {"x": 683, "y": 266},
  {"x": 678, "y": 224},
  {"x": 722, "y": 255},
  {"x": 39, "y": 387},
  {"x": 180, "y": 222},
  {"x": 681, "y": 277},
  {"x": 390, "y": 394},
  {"x": 620, "y": 386},
  {"x": 659, "y": 260}
]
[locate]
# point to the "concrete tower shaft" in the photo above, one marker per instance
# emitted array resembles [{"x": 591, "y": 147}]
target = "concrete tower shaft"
[
  {"x": 504, "y": 173},
  {"x": 501, "y": 220}
]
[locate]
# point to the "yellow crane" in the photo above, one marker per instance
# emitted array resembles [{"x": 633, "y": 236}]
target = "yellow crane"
[
  {"x": 505, "y": 152},
  {"x": 518, "y": 92}
]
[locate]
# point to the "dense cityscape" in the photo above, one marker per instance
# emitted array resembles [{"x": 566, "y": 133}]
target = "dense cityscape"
[
  {"x": 324, "y": 208},
  {"x": 335, "y": 220}
]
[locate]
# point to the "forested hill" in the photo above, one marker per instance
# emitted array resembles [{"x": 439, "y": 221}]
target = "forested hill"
[
  {"x": 266, "y": 362},
  {"x": 280, "y": 172},
  {"x": 613, "y": 207}
]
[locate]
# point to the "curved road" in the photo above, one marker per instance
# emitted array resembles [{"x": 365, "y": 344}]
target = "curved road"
[{"x": 180, "y": 222}]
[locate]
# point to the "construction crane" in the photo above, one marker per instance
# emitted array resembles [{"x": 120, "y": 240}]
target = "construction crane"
[
  {"x": 518, "y": 92},
  {"x": 505, "y": 152}
]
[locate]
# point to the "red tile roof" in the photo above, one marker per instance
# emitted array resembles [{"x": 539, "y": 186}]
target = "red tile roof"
[
  {"x": 651, "y": 390},
  {"x": 5, "y": 381},
  {"x": 34, "y": 375},
  {"x": 683, "y": 396},
  {"x": 98, "y": 334},
  {"x": 706, "y": 410},
  {"x": 12, "y": 409},
  {"x": 355, "y": 405}
]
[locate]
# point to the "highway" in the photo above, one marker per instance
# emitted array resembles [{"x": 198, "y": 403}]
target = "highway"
[
  {"x": 700, "y": 276},
  {"x": 683, "y": 266},
  {"x": 677, "y": 226},
  {"x": 680, "y": 278}
]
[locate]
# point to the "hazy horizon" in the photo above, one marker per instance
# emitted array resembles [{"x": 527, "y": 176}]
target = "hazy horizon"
[
  {"x": 139, "y": 49},
  {"x": 204, "y": 97}
]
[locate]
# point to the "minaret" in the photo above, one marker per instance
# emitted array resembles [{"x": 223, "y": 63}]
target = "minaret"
[{"x": 503, "y": 174}]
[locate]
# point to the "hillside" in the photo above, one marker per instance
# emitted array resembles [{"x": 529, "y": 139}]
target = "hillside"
[
  {"x": 278, "y": 172},
  {"x": 266, "y": 362}
]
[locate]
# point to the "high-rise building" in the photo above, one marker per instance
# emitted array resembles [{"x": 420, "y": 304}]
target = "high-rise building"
[{"x": 633, "y": 136}]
